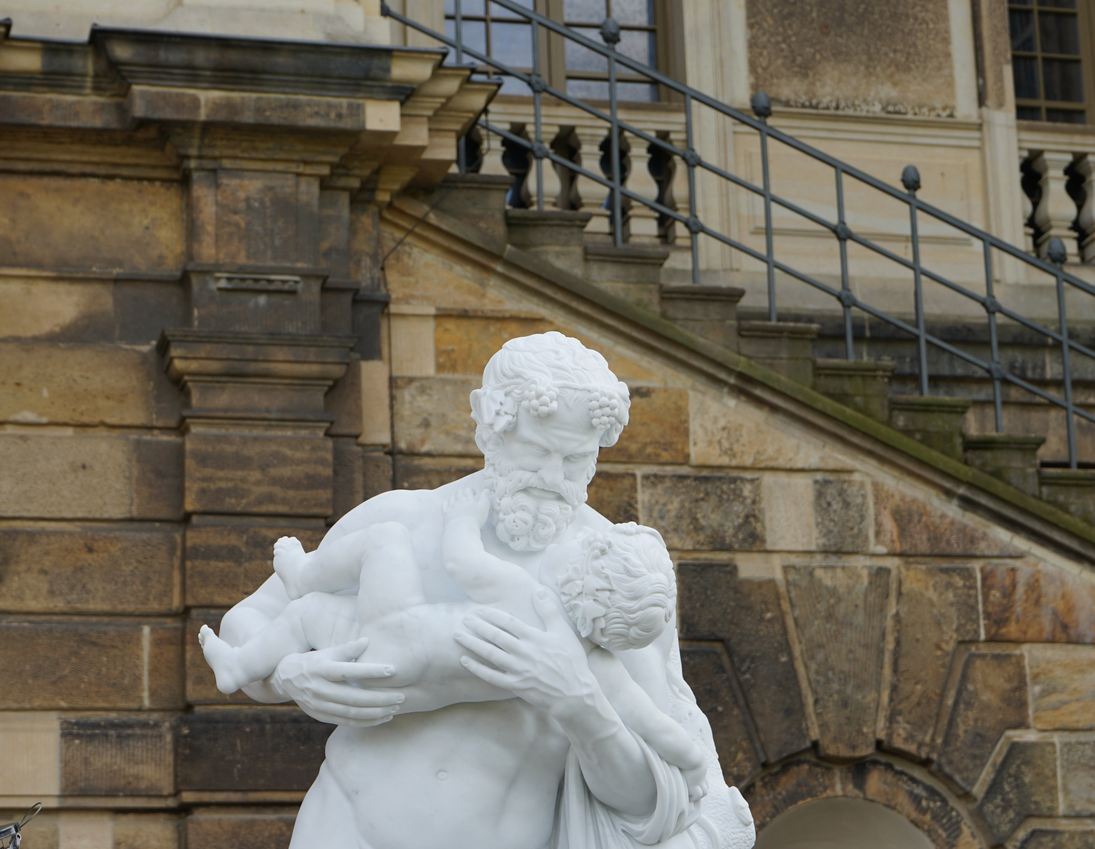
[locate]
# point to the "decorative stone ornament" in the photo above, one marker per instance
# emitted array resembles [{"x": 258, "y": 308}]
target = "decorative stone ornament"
[{"x": 508, "y": 672}]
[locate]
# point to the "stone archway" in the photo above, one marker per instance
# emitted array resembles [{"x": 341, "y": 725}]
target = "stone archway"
[
  {"x": 925, "y": 805},
  {"x": 842, "y": 824}
]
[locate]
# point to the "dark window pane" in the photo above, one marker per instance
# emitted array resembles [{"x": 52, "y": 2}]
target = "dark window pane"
[
  {"x": 1057, "y": 4},
  {"x": 1062, "y": 80},
  {"x": 1059, "y": 33},
  {"x": 633, "y": 12},
  {"x": 467, "y": 7},
  {"x": 1028, "y": 113},
  {"x": 638, "y": 45},
  {"x": 511, "y": 44},
  {"x": 1065, "y": 116},
  {"x": 579, "y": 58},
  {"x": 474, "y": 36},
  {"x": 1021, "y": 2},
  {"x": 497, "y": 11},
  {"x": 637, "y": 92},
  {"x": 1022, "y": 30},
  {"x": 584, "y": 11},
  {"x": 587, "y": 89},
  {"x": 1026, "y": 77}
]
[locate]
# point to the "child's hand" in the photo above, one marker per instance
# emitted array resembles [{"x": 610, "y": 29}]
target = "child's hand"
[
  {"x": 696, "y": 779},
  {"x": 466, "y": 503}
]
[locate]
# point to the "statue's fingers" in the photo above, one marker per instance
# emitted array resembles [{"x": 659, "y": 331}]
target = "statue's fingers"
[
  {"x": 343, "y": 670},
  {"x": 491, "y": 676},
  {"x": 348, "y": 651},
  {"x": 506, "y": 622},
  {"x": 338, "y": 715},
  {"x": 488, "y": 651},
  {"x": 344, "y": 694},
  {"x": 488, "y": 631}
]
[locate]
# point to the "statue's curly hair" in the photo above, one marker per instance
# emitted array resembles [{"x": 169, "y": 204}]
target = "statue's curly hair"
[{"x": 529, "y": 373}]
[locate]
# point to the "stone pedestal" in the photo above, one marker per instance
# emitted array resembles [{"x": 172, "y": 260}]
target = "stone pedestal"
[
  {"x": 863, "y": 385},
  {"x": 710, "y": 312},
  {"x": 936, "y": 422},
  {"x": 1006, "y": 456},
  {"x": 783, "y": 346},
  {"x": 632, "y": 272},
  {"x": 476, "y": 199},
  {"x": 554, "y": 235},
  {"x": 1072, "y": 490}
]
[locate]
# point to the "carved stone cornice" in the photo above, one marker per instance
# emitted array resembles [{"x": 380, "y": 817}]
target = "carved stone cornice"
[{"x": 248, "y": 381}]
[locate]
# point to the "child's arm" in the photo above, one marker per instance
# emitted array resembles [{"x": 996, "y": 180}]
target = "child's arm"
[
  {"x": 641, "y": 715},
  {"x": 486, "y": 578}
]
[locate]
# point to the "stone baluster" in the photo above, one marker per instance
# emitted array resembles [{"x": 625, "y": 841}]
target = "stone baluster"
[
  {"x": 1055, "y": 212},
  {"x": 567, "y": 145},
  {"x": 1029, "y": 183},
  {"x": 643, "y": 219},
  {"x": 592, "y": 193},
  {"x": 679, "y": 190},
  {"x": 1084, "y": 168},
  {"x": 551, "y": 179}
]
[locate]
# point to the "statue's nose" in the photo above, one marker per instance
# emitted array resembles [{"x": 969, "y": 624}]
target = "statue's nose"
[{"x": 552, "y": 473}]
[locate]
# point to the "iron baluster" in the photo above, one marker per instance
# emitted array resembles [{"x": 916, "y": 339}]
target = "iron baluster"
[
  {"x": 847, "y": 299},
  {"x": 1057, "y": 254},
  {"x": 458, "y": 31},
  {"x": 762, "y": 106},
  {"x": 690, "y": 158},
  {"x": 537, "y": 88},
  {"x": 910, "y": 179},
  {"x": 610, "y": 32},
  {"x": 994, "y": 347}
]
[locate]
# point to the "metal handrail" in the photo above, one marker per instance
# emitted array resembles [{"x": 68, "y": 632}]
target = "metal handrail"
[{"x": 693, "y": 160}]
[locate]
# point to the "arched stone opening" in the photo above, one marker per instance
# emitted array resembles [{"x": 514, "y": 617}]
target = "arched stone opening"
[
  {"x": 842, "y": 824},
  {"x": 784, "y": 797}
]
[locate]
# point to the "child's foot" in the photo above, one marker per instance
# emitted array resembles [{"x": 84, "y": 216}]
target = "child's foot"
[
  {"x": 222, "y": 658},
  {"x": 289, "y": 560},
  {"x": 466, "y": 503}
]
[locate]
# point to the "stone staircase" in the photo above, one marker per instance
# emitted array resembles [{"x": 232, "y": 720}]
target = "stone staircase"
[{"x": 956, "y": 420}]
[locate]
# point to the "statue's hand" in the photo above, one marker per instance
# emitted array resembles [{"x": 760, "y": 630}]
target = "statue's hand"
[
  {"x": 548, "y": 669},
  {"x": 316, "y": 681}
]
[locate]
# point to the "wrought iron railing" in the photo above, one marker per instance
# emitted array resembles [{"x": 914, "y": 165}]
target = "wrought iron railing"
[{"x": 695, "y": 161}]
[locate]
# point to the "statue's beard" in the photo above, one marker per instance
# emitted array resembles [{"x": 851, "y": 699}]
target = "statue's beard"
[{"x": 523, "y": 520}]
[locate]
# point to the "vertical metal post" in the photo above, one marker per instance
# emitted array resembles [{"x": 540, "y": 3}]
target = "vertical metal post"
[
  {"x": 1066, "y": 371},
  {"x": 845, "y": 284},
  {"x": 910, "y": 178},
  {"x": 461, "y": 144},
  {"x": 768, "y": 221},
  {"x": 694, "y": 237},
  {"x": 539, "y": 146},
  {"x": 617, "y": 204},
  {"x": 994, "y": 347}
]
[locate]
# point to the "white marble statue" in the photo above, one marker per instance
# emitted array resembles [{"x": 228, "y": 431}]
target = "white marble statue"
[{"x": 501, "y": 661}]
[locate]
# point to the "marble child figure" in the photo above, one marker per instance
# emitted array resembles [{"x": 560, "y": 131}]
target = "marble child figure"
[
  {"x": 616, "y": 586},
  {"x": 533, "y": 749}
]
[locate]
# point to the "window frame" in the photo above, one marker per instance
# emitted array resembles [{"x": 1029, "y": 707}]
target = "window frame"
[
  {"x": 667, "y": 44},
  {"x": 1085, "y": 14}
]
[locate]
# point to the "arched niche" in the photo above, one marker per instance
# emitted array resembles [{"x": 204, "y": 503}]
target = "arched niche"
[{"x": 842, "y": 824}]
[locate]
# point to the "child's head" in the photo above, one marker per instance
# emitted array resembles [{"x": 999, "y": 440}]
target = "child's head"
[{"x": 618, "y": 587}]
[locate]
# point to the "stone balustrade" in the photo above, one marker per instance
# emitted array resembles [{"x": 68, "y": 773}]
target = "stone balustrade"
[
  {"x": 1058, "y": 180},
  {"x": 585, "y": 140}
]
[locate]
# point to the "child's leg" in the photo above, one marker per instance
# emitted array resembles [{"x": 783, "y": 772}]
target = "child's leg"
[
  {"x": 258, "y": 657},
  {"x": 388, "y": 576},
  {"x": 330, "y": 569}
]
